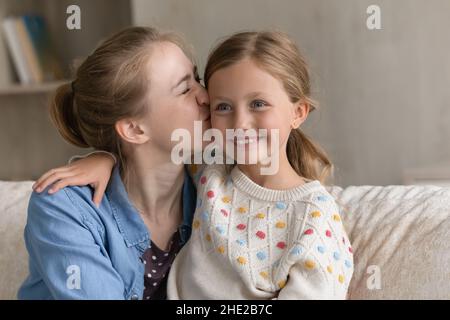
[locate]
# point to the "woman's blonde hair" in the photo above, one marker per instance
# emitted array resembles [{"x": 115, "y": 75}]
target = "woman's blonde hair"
[
  {"x": 111, "y": 84},
  {"x": 277, "y": 54}
]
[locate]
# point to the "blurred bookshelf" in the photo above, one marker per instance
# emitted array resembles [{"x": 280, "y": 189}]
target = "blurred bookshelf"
[
  {"x": 19, "y": 89},
  {"x": 29, "y": 143}
]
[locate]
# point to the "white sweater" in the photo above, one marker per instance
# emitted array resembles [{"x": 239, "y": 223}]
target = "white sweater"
[{"x": 249, "y": 242}]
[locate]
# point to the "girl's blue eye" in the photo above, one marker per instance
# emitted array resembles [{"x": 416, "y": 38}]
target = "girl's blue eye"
[
  {"x": 223, "y": 107},
  {"x": 258, "y": 104}
]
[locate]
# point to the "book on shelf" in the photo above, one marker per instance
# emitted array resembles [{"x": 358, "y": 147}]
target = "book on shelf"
[
  {"x": 31, "y": 50},
  {"x": 16, "y": 52}
]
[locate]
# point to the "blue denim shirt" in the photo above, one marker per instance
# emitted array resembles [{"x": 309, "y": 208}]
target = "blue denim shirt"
[{"x": 79, "y": 251}]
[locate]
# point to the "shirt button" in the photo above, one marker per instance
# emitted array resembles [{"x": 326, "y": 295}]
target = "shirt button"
[{"x": 134, "y": 297}]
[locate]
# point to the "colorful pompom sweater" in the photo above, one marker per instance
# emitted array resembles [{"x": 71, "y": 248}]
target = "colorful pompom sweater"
[{"x": 250, "y": 242}]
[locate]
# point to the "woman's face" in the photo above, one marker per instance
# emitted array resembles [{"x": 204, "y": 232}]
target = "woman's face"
[{"x": 176, "y": 98}]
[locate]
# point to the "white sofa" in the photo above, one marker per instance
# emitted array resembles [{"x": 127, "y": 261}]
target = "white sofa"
[{"x": 400, "y": 237}]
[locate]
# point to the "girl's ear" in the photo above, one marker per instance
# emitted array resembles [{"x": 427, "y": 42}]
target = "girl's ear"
[
  {"x": 301, "y": 111},
  {"x": 132, "y": 131}
]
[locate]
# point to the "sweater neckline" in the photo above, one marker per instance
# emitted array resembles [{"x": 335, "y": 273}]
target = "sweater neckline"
[{"x": 244, "y": 183}]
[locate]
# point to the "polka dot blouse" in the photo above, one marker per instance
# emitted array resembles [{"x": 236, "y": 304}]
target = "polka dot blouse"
[{"x": 157, "y": 264}]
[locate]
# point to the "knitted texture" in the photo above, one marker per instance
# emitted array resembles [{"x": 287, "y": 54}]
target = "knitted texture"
[{"x": 250, "y": 242}]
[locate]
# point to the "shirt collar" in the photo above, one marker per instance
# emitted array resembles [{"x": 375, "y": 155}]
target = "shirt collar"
[{"x": 189, "y": 203}]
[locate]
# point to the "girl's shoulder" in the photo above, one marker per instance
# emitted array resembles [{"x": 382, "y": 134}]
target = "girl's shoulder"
[
  {"x": 315, "y": 203},
  {"x": 322, "y": 200}
]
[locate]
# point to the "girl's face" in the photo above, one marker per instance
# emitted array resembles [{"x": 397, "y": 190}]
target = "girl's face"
[
  {"x": 244, "y": 96},
  {"x": 176, "y": 98}
]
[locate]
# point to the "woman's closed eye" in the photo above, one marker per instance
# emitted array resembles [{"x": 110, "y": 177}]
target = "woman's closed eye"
[
  {"x": 189, "y": 87},
  {"x": 185, "y": 91}
]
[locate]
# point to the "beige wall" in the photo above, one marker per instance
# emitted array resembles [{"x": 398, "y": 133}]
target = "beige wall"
[{"x": 384, "y": 93}]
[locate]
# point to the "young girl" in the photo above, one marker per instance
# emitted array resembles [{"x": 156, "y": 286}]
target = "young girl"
[{"x": 260, "y": 236}]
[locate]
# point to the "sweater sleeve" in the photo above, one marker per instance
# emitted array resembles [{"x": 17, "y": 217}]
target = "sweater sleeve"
[{"x": 321, "y": 261}]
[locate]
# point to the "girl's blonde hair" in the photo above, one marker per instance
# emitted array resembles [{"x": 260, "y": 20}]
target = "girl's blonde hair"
[
  {"x": 277, "y": 54},
  {"x": 111, "y": 84}
]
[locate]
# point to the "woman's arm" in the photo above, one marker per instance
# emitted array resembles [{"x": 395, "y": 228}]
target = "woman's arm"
[
  {"x": 93, "y": 169},
  {"x": 65, "y": 251}
]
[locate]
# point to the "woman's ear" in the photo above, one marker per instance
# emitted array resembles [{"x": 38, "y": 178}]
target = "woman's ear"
[
  {"x": 301, "y": 111},
  {"x": 132, "y": 131}
]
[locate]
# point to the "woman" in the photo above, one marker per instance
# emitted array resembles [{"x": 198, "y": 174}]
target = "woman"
[{"x": 120, "y": 101}]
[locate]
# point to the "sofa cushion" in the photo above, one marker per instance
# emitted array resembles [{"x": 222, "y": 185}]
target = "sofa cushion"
[
  {"x": 14, "y": 198},
  {"x": 402, "y": 235}
]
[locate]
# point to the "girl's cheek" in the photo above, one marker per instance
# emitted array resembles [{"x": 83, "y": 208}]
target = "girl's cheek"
[
  {"x": 215, "y": 123},
  {"x": 221, "y": 125}
]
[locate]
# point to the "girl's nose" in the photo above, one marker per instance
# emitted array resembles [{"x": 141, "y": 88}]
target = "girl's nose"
[{"x": 242, "y": 119}]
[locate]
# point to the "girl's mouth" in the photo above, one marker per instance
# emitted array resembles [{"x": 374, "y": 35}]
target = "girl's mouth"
[{"x": 242, "y": 141}]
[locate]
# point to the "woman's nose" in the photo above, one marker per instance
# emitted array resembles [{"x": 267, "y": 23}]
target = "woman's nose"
[{"x": 202, "y": 97}]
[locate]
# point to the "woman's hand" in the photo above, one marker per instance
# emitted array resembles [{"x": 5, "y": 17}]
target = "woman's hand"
[{"x": 94, "y": 170}]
